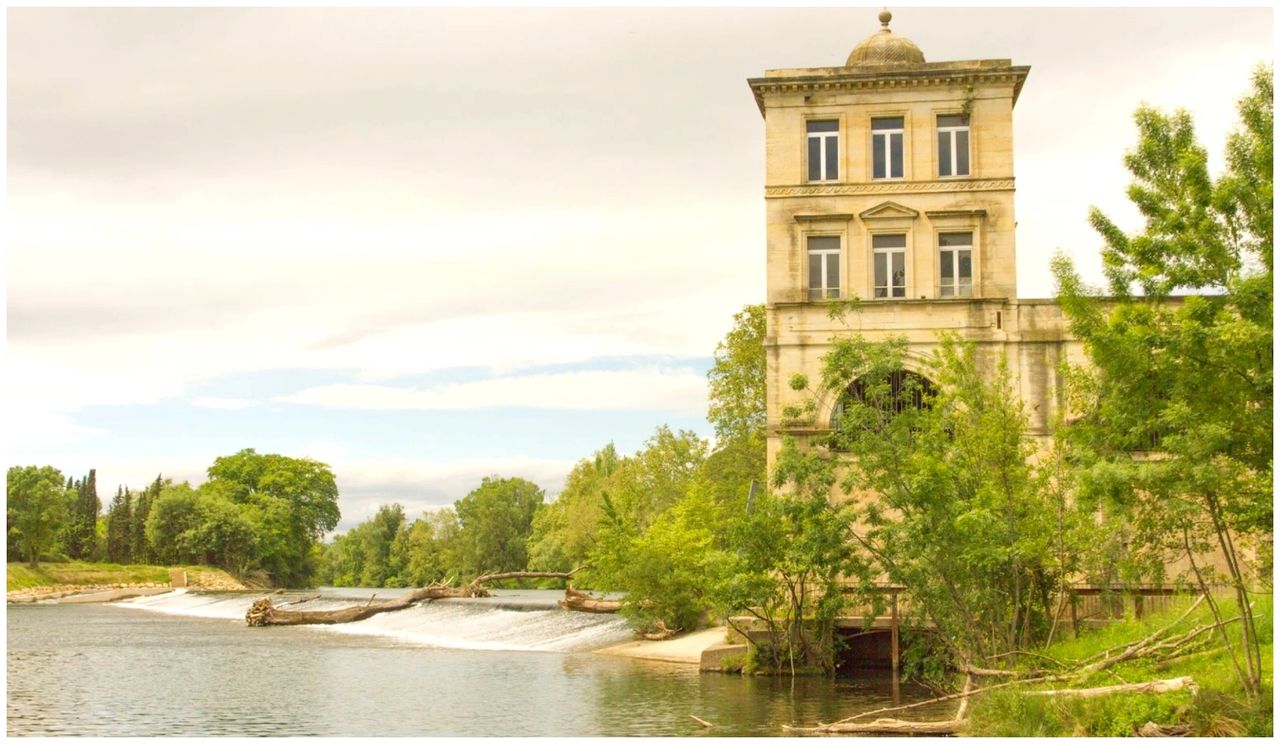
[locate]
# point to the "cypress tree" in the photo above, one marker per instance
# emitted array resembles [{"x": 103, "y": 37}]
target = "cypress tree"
[
  {"x": 141, "y": 510},
  {"x": 119, "y": 524},
  {"x": 80, "y": 535}
]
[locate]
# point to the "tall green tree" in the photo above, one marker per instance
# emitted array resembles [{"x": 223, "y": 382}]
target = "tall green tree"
[
  {"x": 119, "y": 523},
  {"x": 1188, "y": 378},
  {"x": 222, "y": 534},
  {"x": 958, "y": 516},
  {"x": 429, "y": 550},
  {"x": 565, "y": 530},
  {"x": 80, "y": 535},
  {"x": 377, "y": 535},
  {"x": 140, "y": 550},
  {"x": 172, "y": 517},
  {"x": 290, "y": 503},
  {"x": 308, "y": 485},
  {"x": 496, "y": 520},
  {"x": 736, "y": 380},
  {"x": 36, "y": 509},
  {"x": 784, "y": 566}
]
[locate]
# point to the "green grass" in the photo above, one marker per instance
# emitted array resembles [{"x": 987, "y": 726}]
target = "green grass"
[
  {"x": 1219, "y": 708},
  {"x": 20, "y": 576}
]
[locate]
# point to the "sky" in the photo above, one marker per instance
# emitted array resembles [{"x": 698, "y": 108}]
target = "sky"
[{"x": 425, "y": 245}]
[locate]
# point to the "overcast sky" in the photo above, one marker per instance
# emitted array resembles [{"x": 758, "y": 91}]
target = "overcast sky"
[{"x": 426, "y": 245}]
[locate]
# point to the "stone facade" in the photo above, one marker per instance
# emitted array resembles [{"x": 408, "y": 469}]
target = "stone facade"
[{"x": 891, "y": 180}]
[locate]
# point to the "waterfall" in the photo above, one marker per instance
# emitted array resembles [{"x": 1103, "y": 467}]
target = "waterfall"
[{"x": 510, "y": 621}]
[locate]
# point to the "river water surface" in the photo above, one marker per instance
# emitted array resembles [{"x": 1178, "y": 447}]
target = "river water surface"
[{"x": 186, "y": 664}]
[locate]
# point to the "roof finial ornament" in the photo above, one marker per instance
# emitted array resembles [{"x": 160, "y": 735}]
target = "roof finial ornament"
[{"x": 885, "y": 17}]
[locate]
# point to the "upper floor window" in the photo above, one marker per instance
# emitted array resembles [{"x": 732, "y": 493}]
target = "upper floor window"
[
  {"x": 953, "y": 145},
  {"x": 824, "y": 267},
  {"x": 955, "y": 251},
  {"x": 889, "y": 256},
  {"x": 886, "y": 147},
  {"x": 824, "y": 150}
]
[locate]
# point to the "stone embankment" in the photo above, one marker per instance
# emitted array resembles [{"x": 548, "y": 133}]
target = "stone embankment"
[
  {"x": 60, "y": 591},
  {"x": 205, "y": 581}
]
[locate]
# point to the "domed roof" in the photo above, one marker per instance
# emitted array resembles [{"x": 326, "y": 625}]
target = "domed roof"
[{"x": 884, "y": 48}]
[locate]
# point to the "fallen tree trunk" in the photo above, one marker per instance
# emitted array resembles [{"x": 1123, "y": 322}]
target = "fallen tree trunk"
[
  {"x": 264, "y": 613},
  {"x": 583, "y": 602},
  {"x": 895, "y": 726},
  {"x": 1154, "y": 686}
]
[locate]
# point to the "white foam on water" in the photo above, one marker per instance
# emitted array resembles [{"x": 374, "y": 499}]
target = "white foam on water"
[
  {"x": 192, "y": 604},
  {"x": 443, "y": 625}
]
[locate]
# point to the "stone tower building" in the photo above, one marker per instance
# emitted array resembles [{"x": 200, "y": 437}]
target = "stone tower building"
[{"x": 891, "y": 180}]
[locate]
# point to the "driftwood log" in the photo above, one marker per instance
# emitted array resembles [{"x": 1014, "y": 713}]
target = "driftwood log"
[
  {"x": 1154, "y": 686},
  {"x": 583, "y": 602},
  {"x": 1152, "y": 729},
  {"x": 264, "y": 613},
  {"x": 660, "y": 632}
]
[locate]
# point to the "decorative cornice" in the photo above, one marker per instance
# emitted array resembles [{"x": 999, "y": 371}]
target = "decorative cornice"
[
  {"x": 887, "y": 187},
  {"x": 928, "y": 76},
  {"x": 823, "y": 217}
]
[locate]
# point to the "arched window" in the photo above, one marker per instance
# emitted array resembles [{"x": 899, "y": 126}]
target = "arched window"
[{"x": 905, "y": 390}]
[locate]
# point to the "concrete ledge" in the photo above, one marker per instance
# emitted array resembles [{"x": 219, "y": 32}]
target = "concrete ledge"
[
  {"x": 714, "y": 657},
  {"x": 112, "y": 595},
  {"x": 687, "y": 649}
]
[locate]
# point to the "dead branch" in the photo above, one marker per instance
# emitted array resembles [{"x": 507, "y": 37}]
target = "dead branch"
[
  {"x": 969, "y": 691},
  {"x": 660, "y": 632},
  {"x": 980, "y": 672},
  {"x": 955, "y": 725},
  {"x": 893, "y": 726},
  {"x": 1151, "y": 728},
  {"x": 583, "y": 602},
  {"x": 1154, "y": 686},
  {"x": 263, "y": 613},
  {"x": 486, "y": 578},
  {"x": 299, "y": 601},
  {"x": 701, "y": 722},
  {"x": 1133, "y": 647}
]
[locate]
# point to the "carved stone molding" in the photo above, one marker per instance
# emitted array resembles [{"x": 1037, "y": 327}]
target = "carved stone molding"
[{"x": 894, "y": 187}]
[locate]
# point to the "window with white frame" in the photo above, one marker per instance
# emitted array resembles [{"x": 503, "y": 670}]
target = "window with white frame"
[
  {"x": 886, "y": 147},
  {"x": 824, "y": 267},
  {"x": 889, "y": 257},
  {"x": 955, "y": 251},
  {"x": 824, "y": 150},
  {"x": 953, "y": 145}
]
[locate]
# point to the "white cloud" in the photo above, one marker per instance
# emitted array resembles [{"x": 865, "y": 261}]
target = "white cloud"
[
  {"x": 226, "y": 404},
  {"x": 681, "y": 391},
  {"x": 425, "y": 485}
]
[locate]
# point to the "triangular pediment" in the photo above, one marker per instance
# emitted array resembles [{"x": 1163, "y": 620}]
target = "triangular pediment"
[{"x": 889, "y": 210}]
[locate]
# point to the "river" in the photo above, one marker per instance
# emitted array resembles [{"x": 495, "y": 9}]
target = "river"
[{"x": 186, "y": 664}]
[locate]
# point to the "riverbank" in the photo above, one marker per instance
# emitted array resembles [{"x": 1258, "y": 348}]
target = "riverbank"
[
  {"x": 60, "y": 580},
  {"x": 1217, "y": 706},
  {"x": 686, "y": 649}
]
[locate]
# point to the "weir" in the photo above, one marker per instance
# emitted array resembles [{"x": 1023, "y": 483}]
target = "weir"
[{"x": 524, "y": 621}]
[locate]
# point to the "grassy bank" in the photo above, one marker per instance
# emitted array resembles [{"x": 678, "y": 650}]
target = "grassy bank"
[
  {"x": 1219, "y": 708},
  {"x": 80, "y": 573}
]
